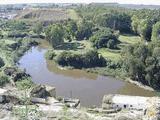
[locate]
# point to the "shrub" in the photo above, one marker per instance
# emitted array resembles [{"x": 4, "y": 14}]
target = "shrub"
[
  {"x": 4, "y": 80},
  {"x": 104, "y": 38},
  {"x": 1, "y": 62},
  {"x": 50, "y": 54},
  {"x": 87, "y": 60},
  {"x": 24, "y": 84}
]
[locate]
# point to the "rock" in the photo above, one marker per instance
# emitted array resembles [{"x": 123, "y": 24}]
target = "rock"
[
  {"x": 107, "y": 102},
  {"x": 74, "y": 103},
  {"x": 41, "y": 91},
  {"x": 123, "y": 118},
  {"x": 51, "y": 91},
  {"x": 38, "y": 100},
  {"x": 10, "y": 70},
  {"x": 2, "y": 95},
  {"x": 52, "y": 100},
  {"x": 12, "y": 99}
]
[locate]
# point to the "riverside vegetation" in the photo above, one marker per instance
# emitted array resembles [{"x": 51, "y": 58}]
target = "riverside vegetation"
[{"x": 106, "y": 40}]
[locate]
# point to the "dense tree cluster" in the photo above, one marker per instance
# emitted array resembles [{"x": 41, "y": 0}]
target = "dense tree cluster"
[
  {"x": 142, "y": 63},
  {"x": 125, "y": 20},
  {"x": 87, "y": 60},
  {"x": 115, "y": 20},
  {"x": 84, "y": 30},
  {"x": 70, "y": 30},
  {"x": 156, "y": 32},
  {"x": 104, "y": 38}
]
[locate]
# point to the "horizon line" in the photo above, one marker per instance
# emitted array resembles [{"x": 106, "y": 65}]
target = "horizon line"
[{"x": 78, "y": 3}]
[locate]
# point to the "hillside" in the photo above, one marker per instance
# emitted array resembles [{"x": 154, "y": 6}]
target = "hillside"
[{"x": 43, "y": 14}]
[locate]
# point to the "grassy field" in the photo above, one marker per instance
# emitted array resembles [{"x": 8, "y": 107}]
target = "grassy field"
[
  {"x": 115, "y": 55},
  {"x": 129, "y": 39}
]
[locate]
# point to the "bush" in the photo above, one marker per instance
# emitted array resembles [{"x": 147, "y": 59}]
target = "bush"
[
  {"x": 1, "y": 62},
  {"x": 24, "y": 84},
  {"x": 87, "y": 60},
  {"x": 104, "y": 38},
  {"x": 50, "y": 54},
  {"x": 4, "y": 80}
]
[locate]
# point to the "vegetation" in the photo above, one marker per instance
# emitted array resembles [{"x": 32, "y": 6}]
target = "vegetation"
[
  {"x": 1, "y": 62},
  {"x": 38, "y": 28},
  {"x": 3, "y": 80},
  {"x": 55, "y": 35},
  {"x": 104, "y": 38},
  {"x": 142, "y": 63},
  {"x": 84, "y": 30},
  {"x": 87, "y": 60},
  {"x": 24, "y": 84},
  {"x": 50, "y": 54},
  {"x": 156, "y": 32}
]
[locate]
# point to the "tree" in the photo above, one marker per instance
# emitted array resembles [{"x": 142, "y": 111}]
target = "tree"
[
  {"x": 144, "y": 29},
  {"x": 70, "y": 30},
  {"x": 156, "y": 32},
  {"x": 55, "y": 35},
  {"x": 1, "y": 62},
  {"x": 104, "y": 37},
  {"x": 84, "y": 30},
  {"x": 115, "y": 20},
  {"x": 142, "y": 63},
  {"x": 17, "y": 25},
  {"x": 38, "y": 28},
  {"x": 1, "y": 35},
  {"x": 135, "y": 23}
]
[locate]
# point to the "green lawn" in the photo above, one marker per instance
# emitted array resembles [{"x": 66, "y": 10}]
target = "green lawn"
[
  {"x": 110, "y": 54},
  {"x": 129, "y": 39}
]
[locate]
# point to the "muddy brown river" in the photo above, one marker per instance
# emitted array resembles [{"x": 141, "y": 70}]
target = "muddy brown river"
[{"x": 89, "y": 88}]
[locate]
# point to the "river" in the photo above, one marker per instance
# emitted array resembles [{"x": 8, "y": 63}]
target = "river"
[{"x": 89, "y": 88}]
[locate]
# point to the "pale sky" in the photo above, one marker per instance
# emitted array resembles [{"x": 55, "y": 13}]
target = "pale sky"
[{"x": 146, "y": 2}]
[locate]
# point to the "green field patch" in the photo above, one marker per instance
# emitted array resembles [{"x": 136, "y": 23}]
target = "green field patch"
[
  {"x": 113, "y": 55},
  {"x": 129, "y": 39}
]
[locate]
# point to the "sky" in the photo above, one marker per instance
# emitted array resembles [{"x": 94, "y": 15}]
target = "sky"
[{"x": 145, "y": 2}]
